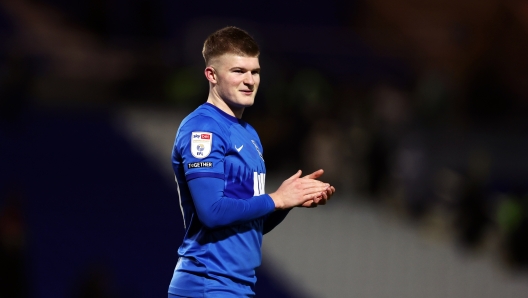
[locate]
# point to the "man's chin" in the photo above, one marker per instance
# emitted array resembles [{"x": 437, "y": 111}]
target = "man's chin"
[{"x": 243, "y": 105}]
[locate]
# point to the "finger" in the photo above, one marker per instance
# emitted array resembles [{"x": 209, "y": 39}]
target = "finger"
[
  {"x": 311, "y": 182},
  {"x": 309, "y": 204},
  {"x": 315, "y": 188},
  {"x": 330, "y": 191},
  {"x": 315, "y": 174},
  {"x": 315, "y": 196},
  {"x": 321, "y": 200},
  {"x": 296, "y": 175},
  {"x": 328, "y": 194}
]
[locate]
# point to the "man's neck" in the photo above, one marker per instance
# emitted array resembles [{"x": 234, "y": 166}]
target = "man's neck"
[{"x": 222, "y": 105}]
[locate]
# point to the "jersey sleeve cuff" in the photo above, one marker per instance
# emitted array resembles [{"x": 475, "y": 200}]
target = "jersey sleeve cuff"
[{"x": 270, "y": 205}]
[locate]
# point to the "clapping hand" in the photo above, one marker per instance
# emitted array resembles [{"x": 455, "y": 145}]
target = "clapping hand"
[
  {"x": 296, "y": 191},
  {"x": 325, "y": 195}
]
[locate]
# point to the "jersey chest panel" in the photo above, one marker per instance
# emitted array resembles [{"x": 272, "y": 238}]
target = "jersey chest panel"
[{"x": 244, "y": 165}]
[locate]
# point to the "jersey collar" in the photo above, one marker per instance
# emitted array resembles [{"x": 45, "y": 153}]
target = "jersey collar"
[{"x": 226, "y": 115}]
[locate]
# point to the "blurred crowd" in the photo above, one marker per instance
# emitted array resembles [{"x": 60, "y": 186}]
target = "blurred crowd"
[{"x": 419, "y": 109}]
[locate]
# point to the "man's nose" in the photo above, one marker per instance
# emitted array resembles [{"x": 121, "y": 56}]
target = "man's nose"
[{"x": 248, "y": 78}]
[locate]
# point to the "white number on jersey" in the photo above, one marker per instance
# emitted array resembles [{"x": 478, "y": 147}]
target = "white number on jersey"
[{"x": 259, "y": 181}]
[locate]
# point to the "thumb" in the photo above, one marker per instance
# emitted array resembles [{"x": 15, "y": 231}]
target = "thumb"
[
  {"x": 296, "y": 175},
  {"x": 315, "y": 174}
]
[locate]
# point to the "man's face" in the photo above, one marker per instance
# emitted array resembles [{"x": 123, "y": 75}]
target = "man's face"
[{"x": 237, "y": 79}]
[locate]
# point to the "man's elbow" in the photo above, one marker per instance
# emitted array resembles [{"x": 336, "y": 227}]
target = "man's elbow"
[
  {"x": 214, "y": 217},
  {"x": 212, "y": 222}
]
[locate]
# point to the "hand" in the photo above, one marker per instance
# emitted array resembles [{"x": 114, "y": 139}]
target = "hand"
[
  {"x": 324, "y": 197},
  {"x": 295, "y": 191}
]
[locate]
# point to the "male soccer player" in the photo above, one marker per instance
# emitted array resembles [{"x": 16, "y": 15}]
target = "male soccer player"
[{"x": 220, "y": 174}]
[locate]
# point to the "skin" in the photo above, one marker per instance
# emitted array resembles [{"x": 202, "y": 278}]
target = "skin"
[
  {"x": 233, "y": 84},
  {"x": 325, "y": 195},
  {"x": 306, "y": 191}
]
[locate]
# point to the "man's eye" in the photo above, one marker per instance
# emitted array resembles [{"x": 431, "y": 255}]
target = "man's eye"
[{"x": 238, "y": 70}]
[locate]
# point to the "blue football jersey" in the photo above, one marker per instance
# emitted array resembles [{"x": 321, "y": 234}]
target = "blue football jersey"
[{"x": 220, "y": 175}]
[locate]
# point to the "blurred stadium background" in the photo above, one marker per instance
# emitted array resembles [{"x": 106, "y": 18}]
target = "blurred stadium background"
[{"x": 416, "y": 110}]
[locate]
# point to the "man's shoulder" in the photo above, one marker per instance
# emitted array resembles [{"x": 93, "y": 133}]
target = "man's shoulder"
[
  {"x": 201, "y": 116},
  {"x": 204, "y": 120}
]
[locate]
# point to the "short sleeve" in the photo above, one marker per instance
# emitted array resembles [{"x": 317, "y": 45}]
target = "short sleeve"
[{"x": 202, "y": 144}]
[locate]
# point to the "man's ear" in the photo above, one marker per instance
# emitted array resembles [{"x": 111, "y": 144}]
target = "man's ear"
[{"x": 210, "y": 74}]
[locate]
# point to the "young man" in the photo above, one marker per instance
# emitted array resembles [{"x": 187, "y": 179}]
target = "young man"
[{"x": 220, "y": 175}]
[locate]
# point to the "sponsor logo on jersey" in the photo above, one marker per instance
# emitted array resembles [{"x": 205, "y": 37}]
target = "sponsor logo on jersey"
[
  {"x": 202, "y": 164},
  {"x": 201, "y": 143}
]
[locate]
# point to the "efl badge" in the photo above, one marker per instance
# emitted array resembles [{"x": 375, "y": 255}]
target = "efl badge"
[{"x": 201, "y": 143}]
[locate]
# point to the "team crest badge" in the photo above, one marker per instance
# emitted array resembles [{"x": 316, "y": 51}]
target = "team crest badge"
[{"x": 201, "y": 143}]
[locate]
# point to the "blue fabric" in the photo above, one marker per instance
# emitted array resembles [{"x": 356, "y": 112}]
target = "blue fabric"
[
  {"x": 215, "y": 210},
  {"x": 220, "y": 174}
]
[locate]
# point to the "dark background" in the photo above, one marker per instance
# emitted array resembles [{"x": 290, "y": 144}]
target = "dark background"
[{"x": 416, "y": 107}]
